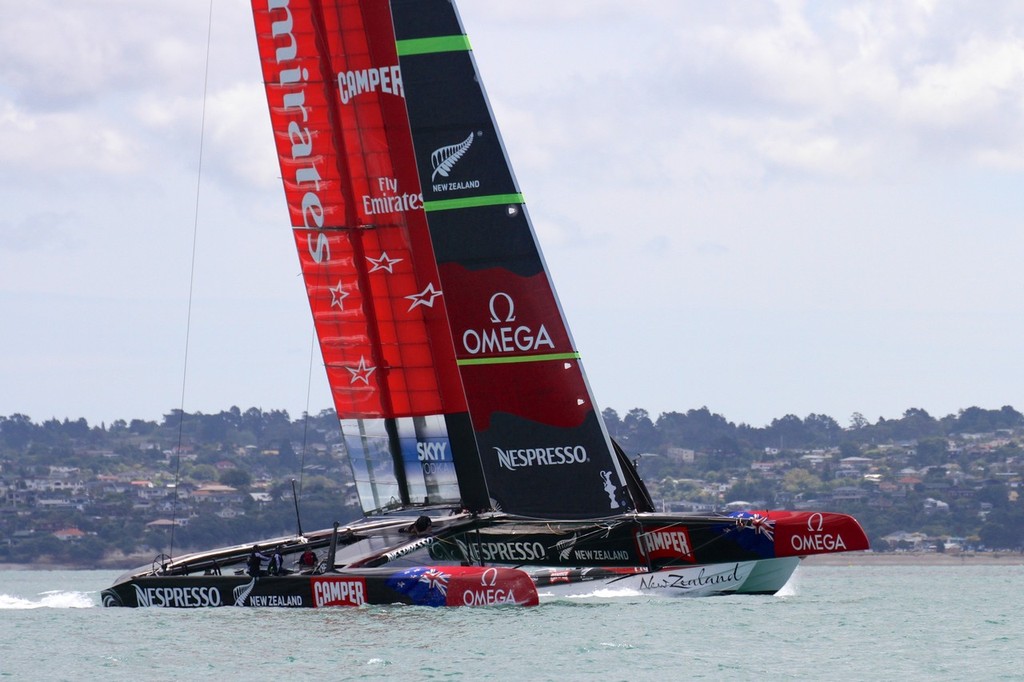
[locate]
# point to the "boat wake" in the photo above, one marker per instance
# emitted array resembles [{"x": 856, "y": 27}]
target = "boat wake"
[
  {"x": 54, "y": 599},
  {"x": 598, "y": 594},
  {"x": 792, "y": 586}
]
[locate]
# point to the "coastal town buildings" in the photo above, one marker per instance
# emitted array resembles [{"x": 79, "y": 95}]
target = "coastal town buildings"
[{"x": 107, "y": 494}]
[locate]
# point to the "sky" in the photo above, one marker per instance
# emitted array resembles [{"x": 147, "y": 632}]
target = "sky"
[{"x": 764, "y": 208}]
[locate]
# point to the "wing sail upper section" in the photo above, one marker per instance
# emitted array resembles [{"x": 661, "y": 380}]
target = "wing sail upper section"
[{"x": 337, "y": 106}]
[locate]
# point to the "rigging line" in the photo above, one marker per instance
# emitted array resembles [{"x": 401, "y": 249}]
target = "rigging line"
[
  {"x": 191, "y": 280},
  {"x": 305, "y": 423}
]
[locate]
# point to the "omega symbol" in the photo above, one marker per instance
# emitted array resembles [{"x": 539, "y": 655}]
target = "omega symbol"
[
  {"x": 492, "y": 305},
  {"x": 810, "y": 522},
  {"x": 489, "y": 578}
]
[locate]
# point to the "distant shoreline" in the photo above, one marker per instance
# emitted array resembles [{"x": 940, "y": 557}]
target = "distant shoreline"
[
  {"x": 916, "y": 559},
  {"x": 115, "y": 564}
]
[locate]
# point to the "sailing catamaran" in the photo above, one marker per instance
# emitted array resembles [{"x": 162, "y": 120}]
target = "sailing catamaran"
[{"x": 482, "y": 465}]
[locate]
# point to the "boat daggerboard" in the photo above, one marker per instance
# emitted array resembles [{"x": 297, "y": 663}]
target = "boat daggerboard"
[
  {"x": 542, "y": 443},
  {"x": 335, "y": 94}
]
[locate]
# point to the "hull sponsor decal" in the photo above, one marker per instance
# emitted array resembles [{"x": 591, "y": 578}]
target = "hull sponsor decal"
[
  {"x": 111, "y": 598},
  {"x": 488, "y": 593},
  {"x": 280, "y": 600},
  {"x": 754, "y": 531},
  {"x": 565, "y": 547},
  {"x": 242, "y": 592},
  {"x": 601, "y": 555},
  {"x": 567, "y": 551},
  {"x": 513, "y": 552},
  {"x": 670, "y": 543},
  {"x": 693, "y": 579},
  {"x": 464, "y": 586},
  {"x": 422, "y": 585},
  {"x": 338, "y": 591},
  {"x": 801, "y": 533},
  {"x": 178, "y": 597},
  {"x": 817, "y": 538}
]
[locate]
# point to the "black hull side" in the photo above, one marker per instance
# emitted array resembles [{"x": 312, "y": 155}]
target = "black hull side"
[
  {"x": 208, "y": 591},
  {"x": 422, "y": 586}
]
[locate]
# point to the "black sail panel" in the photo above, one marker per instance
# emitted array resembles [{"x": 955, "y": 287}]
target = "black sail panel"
[{"x": 540, "y": 438}]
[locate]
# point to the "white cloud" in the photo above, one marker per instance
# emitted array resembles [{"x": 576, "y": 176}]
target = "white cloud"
[
  {"x": 714, "y": 185},
  {"x": 64, "y": 141}
]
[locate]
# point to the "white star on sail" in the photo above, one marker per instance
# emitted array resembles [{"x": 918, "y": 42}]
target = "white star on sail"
[
  {"x": 385, "y": 262},
  {"x": 361, "y": 372},
  {"x": 338, "y": 295},
  {"x": 425, "y": 297}
]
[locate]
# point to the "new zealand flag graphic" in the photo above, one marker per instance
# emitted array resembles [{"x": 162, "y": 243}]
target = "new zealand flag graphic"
[
  {"x": 754, "y": 532},
  {"x": 423, "y": 585}
]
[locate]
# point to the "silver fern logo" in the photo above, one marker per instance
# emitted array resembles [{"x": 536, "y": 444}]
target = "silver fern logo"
[
  {"x": 241, "y": 592},
  {"x": 564, "y": 547},
  {"x": 444, "y": 159}
]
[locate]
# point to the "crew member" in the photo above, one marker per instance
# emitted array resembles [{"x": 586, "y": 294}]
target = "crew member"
[
  {"x": 276, "y": 566},
  {"x": 255, "y": 559}
]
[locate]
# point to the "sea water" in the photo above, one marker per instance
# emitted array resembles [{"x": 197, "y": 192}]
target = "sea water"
[{"x": 829, "y": 623}]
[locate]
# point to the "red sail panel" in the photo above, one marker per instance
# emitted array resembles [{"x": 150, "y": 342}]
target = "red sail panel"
[
  {"x": 395, "y": 358},
  {"x": 509, "y": 331},
  {"x": 298, "y": 93},
  {"x": 337, "y": 108}
]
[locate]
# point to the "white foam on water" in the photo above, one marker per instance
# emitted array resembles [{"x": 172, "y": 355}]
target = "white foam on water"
[
  {"x": 792, "y": 586},
  {"x": 596, "y": 594},
  {"x": 612, "y": 593},
  {"x": 54, "y": 599}
]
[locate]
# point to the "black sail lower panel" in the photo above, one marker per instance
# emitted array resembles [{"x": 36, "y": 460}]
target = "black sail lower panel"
[{"x": 535, "y": 468}]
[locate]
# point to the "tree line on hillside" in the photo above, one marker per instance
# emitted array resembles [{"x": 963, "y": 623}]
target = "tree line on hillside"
[
  {"x": 704, "y": 430},
  {"x": 76, "y": 443},
  {"x": 699, "y": 429},
  {"x": 232, "y": 447}
]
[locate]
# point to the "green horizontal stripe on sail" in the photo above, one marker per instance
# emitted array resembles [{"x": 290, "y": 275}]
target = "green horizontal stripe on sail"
[
  {"x": 508, "y": 360},
  {"x": 473, "y": 202},
  {"x": 431, "y": 45}
]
